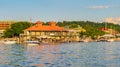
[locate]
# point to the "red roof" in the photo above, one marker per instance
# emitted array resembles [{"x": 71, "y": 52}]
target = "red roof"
[
  {"x": 45, "y": 28},
  {"x": 103, "y": 29}
]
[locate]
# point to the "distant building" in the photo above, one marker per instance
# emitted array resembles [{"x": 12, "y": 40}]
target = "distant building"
[
  {"x": 103, "y": 29},
  {"x": 4, "y": 25},
  {"x": 109, "y": 31}
]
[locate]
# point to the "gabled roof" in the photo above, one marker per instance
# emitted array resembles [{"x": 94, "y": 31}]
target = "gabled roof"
[
  {"x": 45, "y": 28},
  {"x": 51, "y": 27}
]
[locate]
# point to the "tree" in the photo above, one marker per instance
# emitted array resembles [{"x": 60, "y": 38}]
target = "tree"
[
  {"x": 73, "y": 26},
  {"x": 8, "y": 33},
  {"x": 16, "y": 29}
]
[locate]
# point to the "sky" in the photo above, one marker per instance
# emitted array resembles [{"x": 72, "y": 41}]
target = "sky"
[{"x": 59, "y": 10}]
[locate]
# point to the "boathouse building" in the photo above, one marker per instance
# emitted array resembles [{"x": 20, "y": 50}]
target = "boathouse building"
[{"x": 47, "y": 33}]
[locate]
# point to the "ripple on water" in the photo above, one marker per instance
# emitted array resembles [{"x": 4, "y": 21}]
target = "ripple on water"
[
  {"x": 65, "y": 55},
  {"x": 33, "y": 66},
  {"x": 59, "y": 53}
]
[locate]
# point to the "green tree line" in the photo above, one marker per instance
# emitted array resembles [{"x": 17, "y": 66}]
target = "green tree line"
[{"x": 90, "y": 27}]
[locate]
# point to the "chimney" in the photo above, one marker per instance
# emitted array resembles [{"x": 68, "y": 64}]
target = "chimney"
[
  {"x": 39, "y": 23},
  {"x": 52, "y": 23}
]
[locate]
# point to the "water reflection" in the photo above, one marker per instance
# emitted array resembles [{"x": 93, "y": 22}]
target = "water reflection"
[
  {"x": 112, "y": 55},
  {"x": 11, "y": 55},
  {"x": 101, "y": 54}
]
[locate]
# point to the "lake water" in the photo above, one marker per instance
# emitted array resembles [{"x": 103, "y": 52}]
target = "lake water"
[{"x": 94, "y": 54}]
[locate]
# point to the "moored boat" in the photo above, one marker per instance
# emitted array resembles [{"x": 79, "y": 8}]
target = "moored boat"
[
  {"x": 9, "y": 42},
  {"x": 105, "y": 40},
  {"x": 32, "y": 43},
  {"x": 102, "y": 40},
  {"x": 110, "y": 40}
]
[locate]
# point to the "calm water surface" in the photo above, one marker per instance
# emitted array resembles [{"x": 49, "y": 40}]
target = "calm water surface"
[{"x": 96, "y": 54}]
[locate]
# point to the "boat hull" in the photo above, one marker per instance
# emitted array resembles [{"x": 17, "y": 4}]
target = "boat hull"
[
  {"x": 10, "y": 42},
  {"x": 32, "y": 43}
]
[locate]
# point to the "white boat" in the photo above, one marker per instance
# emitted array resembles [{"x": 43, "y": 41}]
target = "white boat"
[
  {"x": 84, "y": 40},
  {"x": 111, "y": 40},
  {"x": 105, "y": 40},
  {"x": 9, "y": 42},
  {"x": 102, "y": 40},
  {"x": 32, "y": 43}
]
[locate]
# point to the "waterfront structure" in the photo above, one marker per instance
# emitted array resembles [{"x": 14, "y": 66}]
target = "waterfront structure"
[
  {"x": 75, "y": 33},
  {"x": 49, "y": 33}
]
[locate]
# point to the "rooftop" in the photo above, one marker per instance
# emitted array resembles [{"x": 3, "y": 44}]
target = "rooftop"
[{"x": 40, "y": 27}]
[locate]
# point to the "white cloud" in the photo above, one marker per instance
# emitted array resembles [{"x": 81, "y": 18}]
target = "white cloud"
[
  {"x": 99, "y": 7},
  {"x": 113, "y": 20}
]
